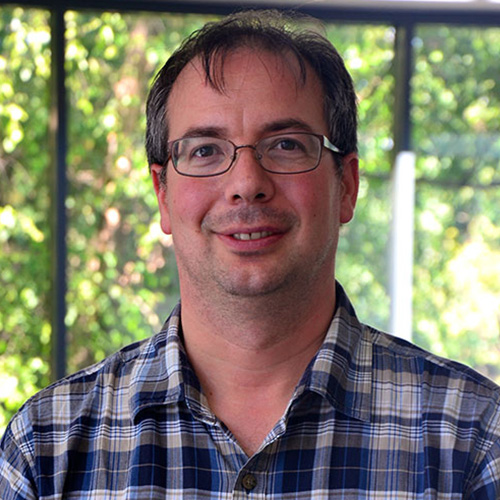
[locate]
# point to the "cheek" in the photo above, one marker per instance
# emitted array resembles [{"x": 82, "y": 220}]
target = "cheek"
[
  {"x": 317, "y": 198},
  {"x": 188, "y": 202}
]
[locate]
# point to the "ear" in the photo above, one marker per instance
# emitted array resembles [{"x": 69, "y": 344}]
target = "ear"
[
  {"x": 161, "y": 195},
  {"x": 349, "y": 187}
]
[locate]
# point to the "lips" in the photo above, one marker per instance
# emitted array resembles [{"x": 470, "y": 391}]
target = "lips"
[
  {"x": 251, "y": 236},
  {"x": 251, "y": 241},
  {"x": 250, "y": 227}
]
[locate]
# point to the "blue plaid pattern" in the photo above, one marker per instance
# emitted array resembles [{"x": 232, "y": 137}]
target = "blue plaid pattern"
[{"x": 373, "y": 417}]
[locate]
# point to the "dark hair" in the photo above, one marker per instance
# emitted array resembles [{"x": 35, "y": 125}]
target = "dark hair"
[{"x": 269, "y": 30}]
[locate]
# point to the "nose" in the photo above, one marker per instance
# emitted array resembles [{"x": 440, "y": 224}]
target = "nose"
[{"x": 247, "y": 180}]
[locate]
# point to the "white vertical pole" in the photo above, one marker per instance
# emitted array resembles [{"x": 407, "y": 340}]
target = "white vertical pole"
[{"x": 402, "y": 237}]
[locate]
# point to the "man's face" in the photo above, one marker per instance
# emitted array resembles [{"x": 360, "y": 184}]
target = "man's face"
[{"x": 249, "y": 232}]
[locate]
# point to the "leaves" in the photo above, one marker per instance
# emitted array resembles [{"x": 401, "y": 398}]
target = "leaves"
[{"x": 456, "y": 108}]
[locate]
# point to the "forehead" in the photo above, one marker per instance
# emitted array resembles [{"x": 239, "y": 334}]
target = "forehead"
[{"x": 248, "y": 86}]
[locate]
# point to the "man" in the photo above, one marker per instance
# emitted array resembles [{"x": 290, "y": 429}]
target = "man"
[{"x": 263, "y": 383}]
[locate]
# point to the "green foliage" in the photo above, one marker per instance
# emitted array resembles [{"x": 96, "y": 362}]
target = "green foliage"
[
  {"x": 121, "y": 272},
  {"x": 368, "y": 52},
  {"x": 24, "y": 255},
  {"x": 456, "y": 107}
]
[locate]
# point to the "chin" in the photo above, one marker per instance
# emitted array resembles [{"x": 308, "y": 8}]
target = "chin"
[{"x": 254, "y": 286}]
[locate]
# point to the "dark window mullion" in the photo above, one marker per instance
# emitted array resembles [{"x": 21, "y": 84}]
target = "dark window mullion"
[{"x": 58, "y": 182}]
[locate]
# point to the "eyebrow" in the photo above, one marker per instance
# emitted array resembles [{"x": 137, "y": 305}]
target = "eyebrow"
[
  {"x": 274, "y": 126},
  {"x": 220, "y": 132},
  {"x": 288, "y": 123}
]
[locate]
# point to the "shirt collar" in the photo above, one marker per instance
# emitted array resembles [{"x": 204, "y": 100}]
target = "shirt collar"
[
  {"x": 341, "y": 371},
  {"x": 157, "y": 375}
]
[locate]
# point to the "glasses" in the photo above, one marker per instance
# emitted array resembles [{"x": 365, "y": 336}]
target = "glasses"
[{"x": 291, "y": 153}]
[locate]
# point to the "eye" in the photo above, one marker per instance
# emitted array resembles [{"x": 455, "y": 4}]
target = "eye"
[
  {"x": 204, "y": 151},
  {"x": 287, "y": 144}
]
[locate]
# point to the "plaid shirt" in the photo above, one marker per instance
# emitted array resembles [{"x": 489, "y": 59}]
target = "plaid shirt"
[{"x": 373, "y": 417}]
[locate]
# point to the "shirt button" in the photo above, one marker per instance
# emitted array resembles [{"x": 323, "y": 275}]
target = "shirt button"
[{"x": 249, "y": 482}]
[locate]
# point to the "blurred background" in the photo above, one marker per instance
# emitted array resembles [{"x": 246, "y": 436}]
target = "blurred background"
[{"x": 118, "y": 269}]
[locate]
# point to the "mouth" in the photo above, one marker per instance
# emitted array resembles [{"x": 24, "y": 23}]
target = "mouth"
[{"x": 251, "y": 236}]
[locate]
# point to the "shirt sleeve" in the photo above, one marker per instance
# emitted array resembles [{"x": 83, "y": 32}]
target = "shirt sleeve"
[
  {"x": 485, "y": 485},
  {"x": 16, "y": 480}
]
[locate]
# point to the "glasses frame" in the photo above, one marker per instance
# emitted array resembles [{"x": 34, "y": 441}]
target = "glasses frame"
[{"x": 325, "y": 144}]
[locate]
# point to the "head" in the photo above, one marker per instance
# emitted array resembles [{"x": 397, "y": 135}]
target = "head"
[
  {"x": 249, "y": 232},
  {"x": 266, "y": 30}
]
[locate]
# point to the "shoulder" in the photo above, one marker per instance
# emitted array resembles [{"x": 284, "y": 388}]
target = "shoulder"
[
  {"x": 400, "y": 356},
  {"x": 450, "y": 398},
  {"x": 89, "y": 394},
  {"x": 73, "y": 414},
  {"x": 446, "y": 413}
]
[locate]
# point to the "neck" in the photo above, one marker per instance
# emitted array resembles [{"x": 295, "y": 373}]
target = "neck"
[
  {"x": 250, "y": 355},
  {"x": 253, "y": 341}
]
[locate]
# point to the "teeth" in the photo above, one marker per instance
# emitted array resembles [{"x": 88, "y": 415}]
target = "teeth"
[{"x": 251, "y": 236}]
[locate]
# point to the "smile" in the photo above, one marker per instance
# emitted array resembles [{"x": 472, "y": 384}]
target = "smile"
[{"x": 252, "y": 236}]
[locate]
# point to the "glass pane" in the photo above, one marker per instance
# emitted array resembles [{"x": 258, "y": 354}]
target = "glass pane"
[
  {"x": 362, "y": 259},
  {"x": 24, "y": 206},
  {"x": 456, "y": 113}
]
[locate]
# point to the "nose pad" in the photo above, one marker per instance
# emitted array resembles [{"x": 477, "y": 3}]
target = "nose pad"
[
  {"x": 237, "y": 155},
  {"x": 248, "y": 146}
]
